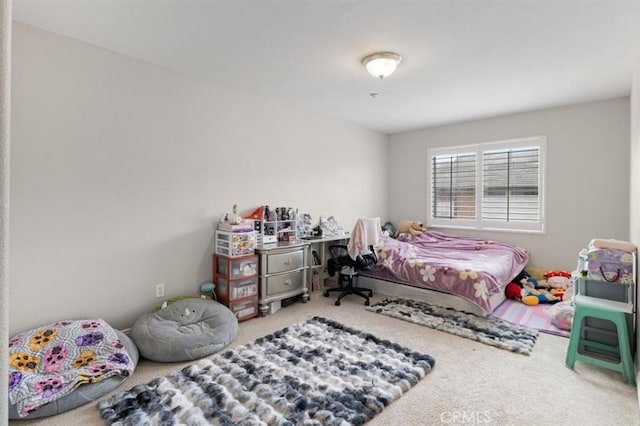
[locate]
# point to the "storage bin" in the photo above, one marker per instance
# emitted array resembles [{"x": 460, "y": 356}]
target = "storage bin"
[
  {"x": 609, "y": 265},
  {"x": 236, "y": 289},
  {"x": 235, "y": 243},
  {"x": 605, "y": 290},
  {"x": 244, "y": 309},
  {"x": 235, "y": 268}
]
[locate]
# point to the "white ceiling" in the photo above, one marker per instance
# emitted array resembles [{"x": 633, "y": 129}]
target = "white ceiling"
[{"x": 463, "y": 59}]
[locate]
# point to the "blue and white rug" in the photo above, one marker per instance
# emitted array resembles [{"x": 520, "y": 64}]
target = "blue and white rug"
[
  {"x": 488, "y": 330},
  {"x": 317, "y": 372}
]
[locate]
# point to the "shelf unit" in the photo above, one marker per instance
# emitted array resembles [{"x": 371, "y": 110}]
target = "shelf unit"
[
  {"x": 280, "y": 226},
  {"x": 273, "y": 231},
  {"x": 606, "y": 295},
  {"x": 318, "y": 261}
]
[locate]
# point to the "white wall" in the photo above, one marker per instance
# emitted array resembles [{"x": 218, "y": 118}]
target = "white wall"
[
  {"x": 587, "y": 174},
  {"x": 120, "y": 168},
  {"x": 634, "y": 194},
  {"x": 5, "y": 112}
]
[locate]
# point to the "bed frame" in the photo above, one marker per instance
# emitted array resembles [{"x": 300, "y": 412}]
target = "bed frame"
[{"x": 433, "y": 297}]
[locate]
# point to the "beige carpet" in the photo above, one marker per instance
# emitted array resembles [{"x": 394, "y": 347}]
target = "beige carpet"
[{"x": 472, "y": 383}]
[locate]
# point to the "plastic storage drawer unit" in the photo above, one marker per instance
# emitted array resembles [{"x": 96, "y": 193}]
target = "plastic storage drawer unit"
[
  {"x": 245, "y": 309},
  {"x": 236, "y": 268},
  {"x": 236, "y": 289},
  {"x": 235, "y": 243}
]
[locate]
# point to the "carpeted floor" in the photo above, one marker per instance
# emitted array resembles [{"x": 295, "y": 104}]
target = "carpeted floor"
[{"x": 472, "y": 382}]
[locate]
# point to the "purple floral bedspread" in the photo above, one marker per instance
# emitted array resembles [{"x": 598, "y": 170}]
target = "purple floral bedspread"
[{"x": 471, "y": 268}]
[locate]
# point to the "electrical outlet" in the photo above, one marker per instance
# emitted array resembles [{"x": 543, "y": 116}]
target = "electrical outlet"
[{"x": 160, "y": 290}]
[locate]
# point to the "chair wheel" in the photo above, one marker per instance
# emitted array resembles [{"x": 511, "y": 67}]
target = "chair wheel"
[
  {"x": 326, "y": 293},
  {"x": 337, "y": 303},
  {"x": 366, "y": 303}
]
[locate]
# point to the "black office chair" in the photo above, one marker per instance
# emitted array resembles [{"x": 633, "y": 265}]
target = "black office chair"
[{"x": 347, "y": 269}]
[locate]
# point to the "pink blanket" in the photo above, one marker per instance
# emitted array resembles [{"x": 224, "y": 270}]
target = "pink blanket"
[
  {"x": 613, "y": 244},
  {"x": 471, "y": 268}
]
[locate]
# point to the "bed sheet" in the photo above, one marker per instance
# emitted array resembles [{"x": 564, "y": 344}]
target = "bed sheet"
[{"x": 471, "y": 268}]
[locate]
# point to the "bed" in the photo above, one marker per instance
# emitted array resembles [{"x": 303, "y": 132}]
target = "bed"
[{"x": 467, "y": 274}]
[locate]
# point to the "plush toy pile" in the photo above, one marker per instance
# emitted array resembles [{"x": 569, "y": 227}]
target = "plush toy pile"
[{"x": 532, "y": 292}]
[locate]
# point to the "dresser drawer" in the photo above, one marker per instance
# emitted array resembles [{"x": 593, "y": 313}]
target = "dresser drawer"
[
  {"x": 285, "y": 282},
  {"x": 285, "y": 262}
]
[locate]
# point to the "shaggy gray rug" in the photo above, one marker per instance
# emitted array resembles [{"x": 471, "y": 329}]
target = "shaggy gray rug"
[
  {"x": 318, "y": 372},
  {"x": 491, "y": 331}
]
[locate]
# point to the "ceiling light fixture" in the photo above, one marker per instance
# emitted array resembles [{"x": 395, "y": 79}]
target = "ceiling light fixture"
[{"x": 381, "y": 64}]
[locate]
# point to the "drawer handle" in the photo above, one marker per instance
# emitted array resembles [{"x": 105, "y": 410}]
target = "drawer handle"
[
  {"x": 287, "y": 282},
  {"x": 288, "y": 261}
]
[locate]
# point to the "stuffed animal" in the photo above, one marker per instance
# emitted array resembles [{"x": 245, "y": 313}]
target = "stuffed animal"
[
  {"x": 513, "y": 291},
  {"x": 529, "y": 292},
  {"x": 559, "y": 282},
  {"x": 558, "y": 285},
  {"x": 558, "y": 292},
  {"x": 412, "y": 227},
  {"x": 557, "y": 274},
  {"x": 536, "y": 294}
]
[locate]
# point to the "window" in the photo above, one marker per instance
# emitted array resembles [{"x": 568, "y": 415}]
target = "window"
[{"x": 494, "y": 185}]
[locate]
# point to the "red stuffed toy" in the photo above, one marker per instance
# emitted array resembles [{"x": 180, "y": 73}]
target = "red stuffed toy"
[{"x": 513, "y": 291}]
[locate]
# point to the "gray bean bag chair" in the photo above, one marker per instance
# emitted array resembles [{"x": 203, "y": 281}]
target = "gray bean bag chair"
[
  {"x": 186, "y": 329},
  {"x": 85, "y": 393}
]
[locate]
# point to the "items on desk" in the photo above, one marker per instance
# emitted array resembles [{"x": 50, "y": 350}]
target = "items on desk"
[
  {"x": 305, "y": 225},
  {"x": 330, "y": 227}
]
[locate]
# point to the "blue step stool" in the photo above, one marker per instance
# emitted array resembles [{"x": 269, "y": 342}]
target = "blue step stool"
[{"x": 620, "y": 355}]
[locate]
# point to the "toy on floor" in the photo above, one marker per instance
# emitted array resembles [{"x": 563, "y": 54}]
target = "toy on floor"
[
  {"x": 207, "y": 288},
  {"x": 562, "y": 315},
  {"x": 530, "y": 291},
  {"x": 558, "y": 285},
  {"x": 564, "y": 274}
]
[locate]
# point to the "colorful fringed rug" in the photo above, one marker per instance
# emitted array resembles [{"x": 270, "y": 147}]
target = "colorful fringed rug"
[
  {"x": 315, "y": 372},
  {"x": 488, "y": 330}
]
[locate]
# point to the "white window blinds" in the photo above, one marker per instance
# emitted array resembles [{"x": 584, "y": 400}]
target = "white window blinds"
[
  {"x": 495, "y": 185},
  {"x": 454, "y": 186},
  {"x": 510, "y": 185}
]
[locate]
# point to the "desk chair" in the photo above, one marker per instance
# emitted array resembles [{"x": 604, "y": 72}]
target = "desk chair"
[
  {"x": 347, "y": 269},
  {"x": 358, "y": 255}
]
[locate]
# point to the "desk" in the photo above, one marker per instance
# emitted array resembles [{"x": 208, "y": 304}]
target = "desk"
[{"x": 318, "y": 270}]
